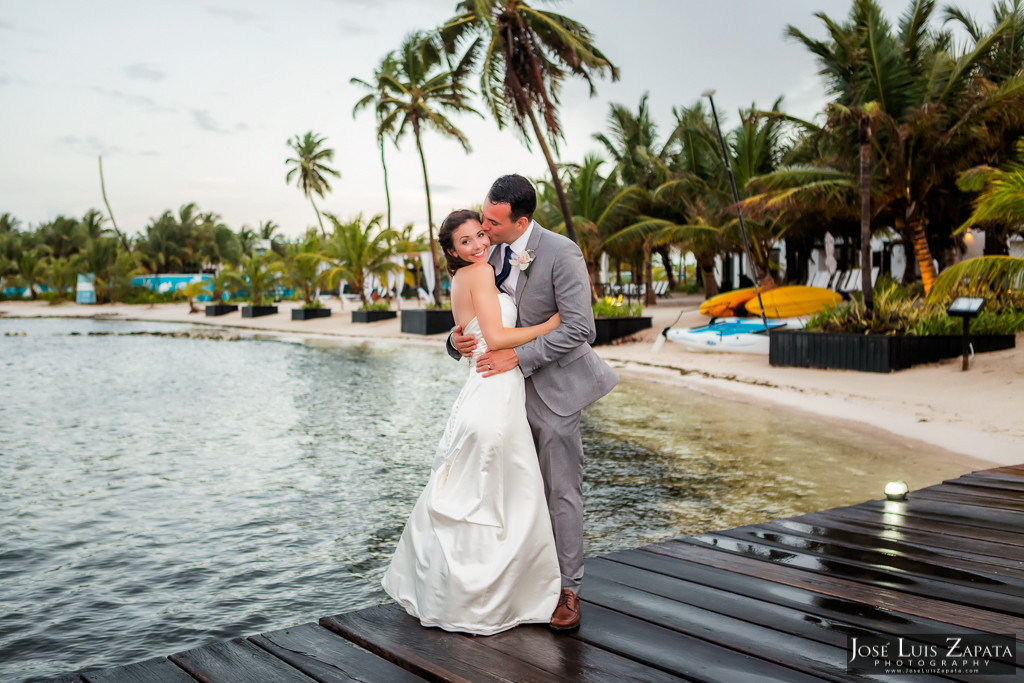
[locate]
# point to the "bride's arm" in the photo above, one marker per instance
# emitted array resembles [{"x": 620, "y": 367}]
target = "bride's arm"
[{"x": 488, "y": 312}]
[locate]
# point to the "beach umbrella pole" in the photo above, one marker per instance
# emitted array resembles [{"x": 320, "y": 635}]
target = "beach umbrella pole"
[{"x": 736, "y": 198}]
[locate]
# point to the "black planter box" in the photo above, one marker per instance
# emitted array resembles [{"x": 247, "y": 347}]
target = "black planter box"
[
  {"x": 423, "y": 321},
  {"x": 310, "y": 313},
  {"x": 220, "y": 309},
  {"x": 871, "y": 352},
  {"x": 372, "y": 316},
  {"x": 609, "y": 329},
  {"x": 258, "y": 311}
]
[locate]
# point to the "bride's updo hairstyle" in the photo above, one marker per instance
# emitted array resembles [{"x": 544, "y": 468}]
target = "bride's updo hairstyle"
[{"x": 445, "y": 238}]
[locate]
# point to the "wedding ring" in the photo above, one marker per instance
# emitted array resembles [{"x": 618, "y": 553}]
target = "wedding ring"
[{"x": 488, "y": 366}]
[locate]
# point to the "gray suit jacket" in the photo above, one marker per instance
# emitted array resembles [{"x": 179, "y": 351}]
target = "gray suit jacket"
[{"x": 564, "y": 369}]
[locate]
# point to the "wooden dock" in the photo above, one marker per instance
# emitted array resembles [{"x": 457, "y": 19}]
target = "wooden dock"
[{"x": 766, "y": 602}]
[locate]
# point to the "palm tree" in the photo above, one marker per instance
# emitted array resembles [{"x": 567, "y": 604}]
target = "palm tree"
[
  {"x": 418, "y": 89},
  {"x": 933, "y": 119},
  {"x": 310, "y": 170},
  {"x": 218, "y": 285},
  {"x": 258, "y": 274},
  {"x": 528, "y": 53},
  {"x": 378, "y": 93},
  {"x": 302, "y": 266},
  {"x": 62, "y": 274},
  {"x": 999, "y": 206},
  {"x": 31, "y": 270},
  {"x": 599, "y": 206},
  {"x": 191, "y": 291},
  {"x": 359, "y": 250}
]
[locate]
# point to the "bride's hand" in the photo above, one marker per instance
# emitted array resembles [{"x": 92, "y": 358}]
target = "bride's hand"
[{"x": 552, "y": 322}]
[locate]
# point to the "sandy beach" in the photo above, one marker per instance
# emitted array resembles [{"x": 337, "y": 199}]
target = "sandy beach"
[{"x": 974, "y": 414}]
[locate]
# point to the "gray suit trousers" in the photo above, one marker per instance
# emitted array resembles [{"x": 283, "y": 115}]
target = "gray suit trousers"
[{"x": 560, "y": 453}]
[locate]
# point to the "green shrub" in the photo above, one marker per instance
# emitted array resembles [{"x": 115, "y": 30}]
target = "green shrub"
[
  {"x": 612, "y": 307},
  {"x": 446, "y": 305},
  {"x": 381, "y": 305}
]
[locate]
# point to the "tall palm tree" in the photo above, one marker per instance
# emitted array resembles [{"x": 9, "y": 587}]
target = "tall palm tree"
[
  {"x": 932, "y": 118},
  {"x": 358, "y": 250},
  {"x": 528, "y": 53},
  {"x": 378, "y": 93},
  {"x": 310, "y": 170},
  {"x": 417, "y": 92}
]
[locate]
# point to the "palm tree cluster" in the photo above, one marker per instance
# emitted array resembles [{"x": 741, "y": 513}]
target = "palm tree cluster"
[{"x": 191, "y": 241}]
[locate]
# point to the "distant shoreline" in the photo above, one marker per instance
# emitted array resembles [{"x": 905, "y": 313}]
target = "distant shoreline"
[{"x": 971, "y": 414}]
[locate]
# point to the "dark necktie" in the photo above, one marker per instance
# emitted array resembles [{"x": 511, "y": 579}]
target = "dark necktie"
[{"x": 506, "y": 268}]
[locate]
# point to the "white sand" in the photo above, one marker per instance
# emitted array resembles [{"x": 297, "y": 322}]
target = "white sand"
[{"x": 976, "y": 414}]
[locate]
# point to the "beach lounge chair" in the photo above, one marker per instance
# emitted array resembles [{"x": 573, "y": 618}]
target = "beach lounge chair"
[{"x": 661, "y": 288}]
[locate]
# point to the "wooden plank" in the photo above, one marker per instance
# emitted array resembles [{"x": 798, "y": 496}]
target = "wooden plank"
[
  {"x": 1016, "y": 470},
  {"x": 155, "y": 670},
  {"x": 1009, "y": 480},
  {"x": 1011, "y": 500},
  {"x": 678, "y": 653},
  {"x": 807, "y": 620},
  {"x": 1000, "y": 482},
  {"x": 945, "y": 584},
  {"x": 896, "y": 538},
  {"x": 387, "y": 631},
  {"x": 877, "y": 549},
  {"x": 571, "y": 659},
  {"x": 326, "y": 656},
  {"x": 68, "y": 678},
  {"x": 236, "y": 661},
  {"x": 812, "y": 657},
  {"x": 1007, "y": 541},
  {"x": 967, "y": 616},
  {"x": 944, "y": 494},
  {"x": 956, "y": 514}
]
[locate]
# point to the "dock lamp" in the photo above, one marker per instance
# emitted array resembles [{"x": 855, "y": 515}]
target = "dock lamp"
[
  {"x": 966, "y": 307},
  {"x": 896, "y": 490}
]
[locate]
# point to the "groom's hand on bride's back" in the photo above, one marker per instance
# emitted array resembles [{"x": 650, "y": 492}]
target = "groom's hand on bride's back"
[{"x": 463, "y": 343}]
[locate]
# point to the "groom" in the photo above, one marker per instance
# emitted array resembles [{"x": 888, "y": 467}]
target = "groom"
[{"x": 545, "y": 273}]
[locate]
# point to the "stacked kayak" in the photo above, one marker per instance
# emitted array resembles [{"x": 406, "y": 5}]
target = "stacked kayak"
[
  {"x": 736, "y": 335},
  {"x": 792, "y": 301},
  {"x": 728, "y": 303}
]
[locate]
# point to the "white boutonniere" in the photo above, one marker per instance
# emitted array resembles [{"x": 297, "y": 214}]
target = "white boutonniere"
[{"x": 523, "y": 260}]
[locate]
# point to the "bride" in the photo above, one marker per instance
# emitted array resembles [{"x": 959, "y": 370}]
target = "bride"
[{"x": 478, "y": 554}]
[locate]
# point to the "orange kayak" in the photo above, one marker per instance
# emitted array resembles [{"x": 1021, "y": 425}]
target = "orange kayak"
[{"x": 727, "y": 304}]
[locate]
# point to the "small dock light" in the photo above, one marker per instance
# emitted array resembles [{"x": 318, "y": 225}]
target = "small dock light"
[
  {"x": 966, "y": 307},
  {"x": 896, "y": 490}
]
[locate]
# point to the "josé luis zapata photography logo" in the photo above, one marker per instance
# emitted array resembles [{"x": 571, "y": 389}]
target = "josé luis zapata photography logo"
[{"x": 951, "y": 653}]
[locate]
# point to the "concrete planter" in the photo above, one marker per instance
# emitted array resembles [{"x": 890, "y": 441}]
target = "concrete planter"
[
  {"x": 871, "y": 352},
  {"x": 372, "y": 316},
  {"x": 423, "y": 321},
  {"x": 258, "y": 311},
  {"x": 220, "y": 309},
  {"x": 310, "y": 313},
  {"x": 610, "y": 329}
]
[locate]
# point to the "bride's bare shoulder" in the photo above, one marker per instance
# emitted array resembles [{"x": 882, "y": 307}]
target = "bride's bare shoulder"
[{"x": 476, "y": 273}]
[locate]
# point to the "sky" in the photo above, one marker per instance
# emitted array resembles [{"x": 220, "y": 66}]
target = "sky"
[{"x": 195, "y": 100}]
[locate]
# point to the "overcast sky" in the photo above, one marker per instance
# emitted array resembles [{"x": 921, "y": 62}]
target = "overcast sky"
[{"x": 194, "y": 100}]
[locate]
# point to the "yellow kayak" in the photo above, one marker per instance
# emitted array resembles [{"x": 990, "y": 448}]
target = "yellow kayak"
[
  {"x": 727, "y": 304},
  {"x": 793, "y": 301}
]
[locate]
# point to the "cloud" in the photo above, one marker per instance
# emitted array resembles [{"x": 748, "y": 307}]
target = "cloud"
[
  {"x": 239, "y": 16},
  {"x": 90, "y": 146},
  {"x": 203, "y": 119},
  {"x": 5, "y": 79},
  {"x": 144, "y": 72},
  {"x": 149, "y": 153},
  {"x": 351, "y": 28},
  {"x": 142, "y": 101},
  {"x": 6, "y": 25}
]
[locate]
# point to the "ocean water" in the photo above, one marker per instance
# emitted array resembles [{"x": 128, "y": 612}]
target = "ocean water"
[{"x": 158, "y": 493}]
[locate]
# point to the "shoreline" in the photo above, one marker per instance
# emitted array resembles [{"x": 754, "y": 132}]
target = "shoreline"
[{"x": 972, "y": 416}]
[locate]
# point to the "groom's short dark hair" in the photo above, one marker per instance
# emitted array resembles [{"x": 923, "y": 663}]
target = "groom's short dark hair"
[{"x": 517, "y": 192}]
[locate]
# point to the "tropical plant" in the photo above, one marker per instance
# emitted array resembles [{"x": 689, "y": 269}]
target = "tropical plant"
[
  {"x": 416, "y": 91},
  {"x": 358, "y": 250},
  {"x": 527, "y": 54},
  {"x": 218, "y": 286},
  {"x": 31, "y": 271},
  {"x": 612, "y": 307},
  {"x": 62, "y": 275},
  {"x": 999, "y": 206},
  {"x": 999, "y": 277},
  {"x": 302, "y": 267},
  {"x": 258, "y": 274},
  {"x": 310, "y": 170},
  {"x": 191, "y": 291}
]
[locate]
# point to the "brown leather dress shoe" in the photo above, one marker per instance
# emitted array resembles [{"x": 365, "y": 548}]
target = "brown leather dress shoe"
[{"x": 566, "y": 616}]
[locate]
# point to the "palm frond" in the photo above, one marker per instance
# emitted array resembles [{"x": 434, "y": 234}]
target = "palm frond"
[{"x": 982, "y": 275}]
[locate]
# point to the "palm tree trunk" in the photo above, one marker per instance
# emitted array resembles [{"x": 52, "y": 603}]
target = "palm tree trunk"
[
  {"x": 430, "y": 216},
  {"x": 706, "y": 266},
  {"x": 563, "y": 200},
  {"x": 319, "y": 220},
  {"x": 387, "y": 194},
  {"x": 651, "y": 299},
  {"x": 923, "y": 254},
  {"x": 865, "y": 213},
  {"x": 667, "y": 262}
]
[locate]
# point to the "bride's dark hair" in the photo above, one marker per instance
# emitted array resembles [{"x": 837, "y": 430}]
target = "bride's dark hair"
[{"x": 449, "y": 225}]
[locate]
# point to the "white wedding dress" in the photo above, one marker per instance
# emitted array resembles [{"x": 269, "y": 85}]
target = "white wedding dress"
[{"x": 477, "y": 554}]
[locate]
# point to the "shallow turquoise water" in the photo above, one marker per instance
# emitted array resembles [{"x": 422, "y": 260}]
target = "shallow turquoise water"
[{"x": 160, "y": 493}]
